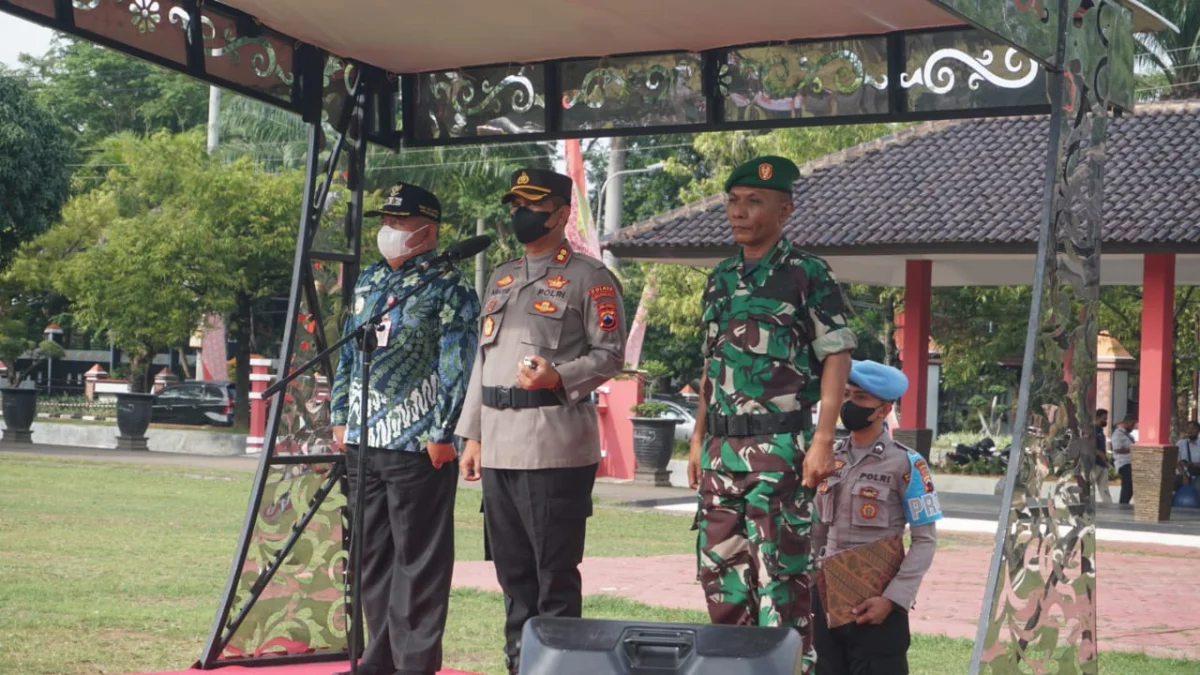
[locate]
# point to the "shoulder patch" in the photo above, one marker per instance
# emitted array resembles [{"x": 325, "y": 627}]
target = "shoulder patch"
[
  {"x": 505, "y": 280},
  {"x": 921, "y": 503},
  {"x": 602, "y": 292},
  {"x": 606, "y": 316}
]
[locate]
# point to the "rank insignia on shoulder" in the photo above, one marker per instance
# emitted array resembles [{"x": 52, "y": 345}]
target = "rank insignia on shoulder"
[
  {"x": 506, "y": 280},
  {"x": 557, "y": 282},
  {"x": 926, "y": 479},
  {"x": 562, "y": 255},
  {"x": 606, "y": 313},
  {"x": 869, "y": 492},
  {"x": 545, "y": 307},
  {"x": 869, "y": 511},
  {"x": 489, "y": 326},
  {"x": 602, "y": 291}
]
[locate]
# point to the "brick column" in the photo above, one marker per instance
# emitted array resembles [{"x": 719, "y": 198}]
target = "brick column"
[{"x": 1154, "y": 481}]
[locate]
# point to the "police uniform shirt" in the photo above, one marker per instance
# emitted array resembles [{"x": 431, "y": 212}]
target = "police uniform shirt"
[
  {"x": 873, "y": 493},
  {"x": 565, "y": 307}
]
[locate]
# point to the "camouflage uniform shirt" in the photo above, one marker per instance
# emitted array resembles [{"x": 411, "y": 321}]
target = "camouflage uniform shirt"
[
  {"x": 419, "y": 380},
  {"x": 768, "y": 329}
]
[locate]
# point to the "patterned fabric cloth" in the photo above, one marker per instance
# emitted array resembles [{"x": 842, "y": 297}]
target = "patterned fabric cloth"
[
  {"x": 768, "y": 330},
  {"x": 419, "y": 379}
]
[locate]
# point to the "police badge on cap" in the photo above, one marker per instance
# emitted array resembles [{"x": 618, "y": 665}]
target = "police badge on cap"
[{"x": 409, "y": 200}]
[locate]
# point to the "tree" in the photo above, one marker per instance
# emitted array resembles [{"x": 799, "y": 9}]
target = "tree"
[
  {"x": 35, "y": 172},
  {"x": 99, "y": 92},
  {"x": 1173, "y": 57},
  {"x": 143, "y": 286}
]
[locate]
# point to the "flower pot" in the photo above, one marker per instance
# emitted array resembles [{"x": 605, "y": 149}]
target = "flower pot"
[
  {"x": 20, "y": 409},
  {"x": 133, "y": 418},
  {"x": 653, "y": 441}
]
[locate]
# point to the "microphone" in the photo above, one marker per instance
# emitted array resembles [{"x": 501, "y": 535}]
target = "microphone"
[{"x": 464, "y": 249}]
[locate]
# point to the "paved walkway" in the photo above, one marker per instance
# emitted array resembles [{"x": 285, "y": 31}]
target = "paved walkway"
[{"x": 1136, "y": 588}]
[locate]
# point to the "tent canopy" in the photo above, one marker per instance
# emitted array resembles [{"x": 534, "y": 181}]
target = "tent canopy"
[
  {"x": 427, "y": 35},
  {"x": 470, "y": 71}
]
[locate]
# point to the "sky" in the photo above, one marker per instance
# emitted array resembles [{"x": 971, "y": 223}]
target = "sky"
[{"x": 18, "y": 35}]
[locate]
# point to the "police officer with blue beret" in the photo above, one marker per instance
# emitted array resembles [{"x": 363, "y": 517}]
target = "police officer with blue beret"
[{"x": 877, "y": 488}]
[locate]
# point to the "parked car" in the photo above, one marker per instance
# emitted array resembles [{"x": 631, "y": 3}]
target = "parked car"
[
  {"x": 198, "y": 403},
  {"x": 684, "y": 413}
]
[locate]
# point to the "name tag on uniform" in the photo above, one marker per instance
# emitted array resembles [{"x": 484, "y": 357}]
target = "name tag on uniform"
[{"x": 384, "y": 331}]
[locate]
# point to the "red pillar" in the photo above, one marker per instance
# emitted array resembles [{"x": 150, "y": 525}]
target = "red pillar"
[
  {"x": 1158, "y": 331},
  {"x": 260, "y": 377},
  {"x": 914, "y": 352}
]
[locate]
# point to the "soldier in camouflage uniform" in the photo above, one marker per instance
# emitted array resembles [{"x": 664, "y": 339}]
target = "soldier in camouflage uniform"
[{"x": 776, "y": 344}]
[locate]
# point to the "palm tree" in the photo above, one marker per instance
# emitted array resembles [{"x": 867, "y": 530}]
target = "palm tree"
[{"x": 1173, "y": 59}]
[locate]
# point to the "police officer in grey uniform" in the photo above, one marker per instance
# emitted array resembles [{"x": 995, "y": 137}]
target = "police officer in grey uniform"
[
  {"x": 551, "y": 331},
  {"x": 878, "y": 486}
]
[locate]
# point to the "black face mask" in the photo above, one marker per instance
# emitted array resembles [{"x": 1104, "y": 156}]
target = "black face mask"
[
  {"x": 855, "y": 417},
  {"x": 529, "y": 226}
]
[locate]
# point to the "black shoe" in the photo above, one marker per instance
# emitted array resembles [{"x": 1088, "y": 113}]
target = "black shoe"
[{"x": 513, "y": 663}]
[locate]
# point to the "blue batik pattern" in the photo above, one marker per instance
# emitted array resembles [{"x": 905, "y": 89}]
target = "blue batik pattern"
[{"x": 419, "y": 380}]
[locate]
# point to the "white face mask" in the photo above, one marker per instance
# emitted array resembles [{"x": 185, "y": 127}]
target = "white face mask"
[{"x": 395, "y": 243}]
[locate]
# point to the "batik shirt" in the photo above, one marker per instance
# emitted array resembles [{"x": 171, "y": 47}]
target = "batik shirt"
[
  {"x": 768, "y": 328},
  {"x": 419, "y": 380}
]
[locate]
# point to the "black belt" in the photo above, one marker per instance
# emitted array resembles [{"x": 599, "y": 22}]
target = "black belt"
[
  {"x": 515, "y": 397},
  {"x": 760, "y": 424}
]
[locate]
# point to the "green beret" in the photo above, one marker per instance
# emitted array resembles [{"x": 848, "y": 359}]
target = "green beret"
[{"x": 772, "y": 173}]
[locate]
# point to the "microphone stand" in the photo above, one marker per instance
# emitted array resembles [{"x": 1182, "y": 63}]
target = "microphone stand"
[{"x": 366, "y": 341}]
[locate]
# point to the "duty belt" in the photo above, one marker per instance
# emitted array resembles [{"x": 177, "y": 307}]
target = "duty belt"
[
  {"x": 760, "y": 424},
  {"x": 515, "y": 397}
]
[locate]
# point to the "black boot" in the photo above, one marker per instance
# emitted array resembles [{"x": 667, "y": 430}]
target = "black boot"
[{"x": 513, "y": 663}]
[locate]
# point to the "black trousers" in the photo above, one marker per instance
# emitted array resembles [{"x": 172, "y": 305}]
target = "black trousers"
[
  {"x": 535, "y": 524},
  {"x": 408, "y": 558},
  {"x": 1126, "y": 473},
  {"x": 865, "y": 649}
]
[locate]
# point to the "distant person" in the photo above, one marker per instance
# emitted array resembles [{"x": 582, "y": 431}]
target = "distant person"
[
  {"x": 1122, "y": 447},
  {"x": 1100, "y": 477},
  {"x": 1189, "y": 456}
]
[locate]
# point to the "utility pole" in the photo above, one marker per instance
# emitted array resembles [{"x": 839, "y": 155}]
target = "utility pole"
[
  {"x": 614, "y": 197},
  {"x": 480, "y": 262},
  {"x": 214, "y": 118}
]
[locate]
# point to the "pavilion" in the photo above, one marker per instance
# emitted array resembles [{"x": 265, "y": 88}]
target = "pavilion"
[{"x": 954, "y": 203}]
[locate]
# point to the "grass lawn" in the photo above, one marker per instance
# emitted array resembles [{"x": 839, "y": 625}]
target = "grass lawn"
[{"x": 116, "y": 568}]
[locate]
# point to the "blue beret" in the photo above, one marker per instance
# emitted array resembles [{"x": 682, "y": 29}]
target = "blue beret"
[{"x": 883, "y": 382}]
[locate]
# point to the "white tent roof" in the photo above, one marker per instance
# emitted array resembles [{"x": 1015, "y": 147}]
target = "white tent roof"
[{"x": 423, "y": 35}]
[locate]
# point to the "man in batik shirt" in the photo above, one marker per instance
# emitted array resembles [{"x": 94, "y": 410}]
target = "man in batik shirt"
[{"x": 418, "y": 384}]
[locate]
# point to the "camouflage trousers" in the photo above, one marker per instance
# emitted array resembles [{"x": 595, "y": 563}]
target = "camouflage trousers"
[{"x": 754, "y": 551}]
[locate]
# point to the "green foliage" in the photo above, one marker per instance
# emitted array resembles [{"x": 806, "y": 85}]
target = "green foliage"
[
  {"x": 977, "y": 328},
  {"x": 650, "y": 409},
  {"x": 722, "y": 151},
  {"x": 15, "y": 342},
  {"x": 35, "y": 154},
  {"x": 1171, "y": 60},
  {"x": 99, "y": 92}
]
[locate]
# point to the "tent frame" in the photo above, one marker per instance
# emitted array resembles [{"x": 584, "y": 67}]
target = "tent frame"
[{"x": 1086, "y": 47}]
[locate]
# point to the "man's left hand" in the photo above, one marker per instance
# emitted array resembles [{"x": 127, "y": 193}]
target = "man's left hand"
[
  {"x": 440, "y": 453},
  {"x": 873, "y": 610},
  {"x": 818, "y": 461},
  {"x": 541, "y": 376}
]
